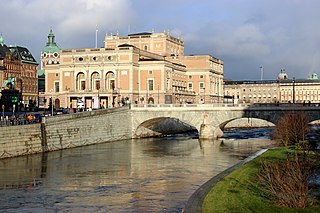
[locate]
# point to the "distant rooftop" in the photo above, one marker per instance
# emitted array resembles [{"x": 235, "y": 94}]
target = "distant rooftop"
[{"x": 139, "y": 34}]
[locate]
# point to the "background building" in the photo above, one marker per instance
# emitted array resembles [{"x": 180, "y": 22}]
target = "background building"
[
  {"x": 19, "y": 71},
  {"x": 282, "y": 90},
  {"x": 143, "y": 68}
]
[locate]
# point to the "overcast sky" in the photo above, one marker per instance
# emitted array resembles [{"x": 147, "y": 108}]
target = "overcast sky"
[{"x": 245, "y": 34}]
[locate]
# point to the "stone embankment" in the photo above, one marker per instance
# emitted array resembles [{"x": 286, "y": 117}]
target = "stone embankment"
[{"x": 66, "y": 131}]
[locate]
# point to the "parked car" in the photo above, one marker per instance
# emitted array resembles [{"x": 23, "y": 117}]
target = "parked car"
[
  {"x": 61, "y": 111},
  {"x": 37, "y": 118}
]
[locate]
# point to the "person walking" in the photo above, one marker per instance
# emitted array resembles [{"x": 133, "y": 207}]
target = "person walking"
[{"x": 29, "y": 118}]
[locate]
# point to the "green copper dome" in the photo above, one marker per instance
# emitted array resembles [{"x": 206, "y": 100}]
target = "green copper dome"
[
  {"x": 1, "y": 40},
  {"x": 51, "y": 46},
  {"x": 314, "y": 76}
]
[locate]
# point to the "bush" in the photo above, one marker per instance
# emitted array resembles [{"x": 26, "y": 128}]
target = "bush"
[
  {"x": 287, "y": 182},
  {"x": 291, "y": 128}
]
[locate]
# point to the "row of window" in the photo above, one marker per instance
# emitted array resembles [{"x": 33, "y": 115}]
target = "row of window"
[
  {"x": 190, "y": 76},
  {"x": 95, "y": 58},
  {"x": 250, "y": 90}
]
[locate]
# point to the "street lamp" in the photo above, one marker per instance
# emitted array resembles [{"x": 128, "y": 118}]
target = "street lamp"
[
  {"x": 51, "y": 102},
  {"x": 138, "y": 92},
  {"x": 98, "y": 88},
  {"x": 158, "y": 94}
]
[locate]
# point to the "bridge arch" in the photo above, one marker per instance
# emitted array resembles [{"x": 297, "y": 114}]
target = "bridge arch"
[
  {"x": 245, "y": 122},
  {"x": 163, "y": 126}
]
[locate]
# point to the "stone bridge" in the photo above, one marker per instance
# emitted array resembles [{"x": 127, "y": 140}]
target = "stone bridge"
[
  {"x": 208, "y": 120},
  {"x": 99, "y": 126}
]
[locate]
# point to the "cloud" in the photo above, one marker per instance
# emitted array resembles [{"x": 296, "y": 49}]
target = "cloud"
[
  {"x": 244, "y": 41},
  {"x": 275, "y": 34},
  {"x": 27, "y": 23}
]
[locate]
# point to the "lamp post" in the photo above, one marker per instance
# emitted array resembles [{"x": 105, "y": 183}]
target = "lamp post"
[
  {"x": 138, "y": 92},
  {"x": 97, "y": 83},
  {"x": 147, "y": 92},
  {"x": 99, "y": 104},
  {"x": 51, "y": 102},
  {"x": 158, "y": 94}
]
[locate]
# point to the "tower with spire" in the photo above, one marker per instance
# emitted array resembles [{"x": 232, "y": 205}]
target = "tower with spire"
[{"x": 50, "y": 54}]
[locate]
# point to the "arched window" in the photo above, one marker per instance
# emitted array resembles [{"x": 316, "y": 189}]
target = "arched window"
[
  {"x": 80, "y": 81},
  {"x": 95, "y": 81},
  {"x": 110, "y": 81}
]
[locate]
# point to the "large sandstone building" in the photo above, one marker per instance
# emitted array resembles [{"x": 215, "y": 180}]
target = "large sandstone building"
[{"x": 143, "y": 68}]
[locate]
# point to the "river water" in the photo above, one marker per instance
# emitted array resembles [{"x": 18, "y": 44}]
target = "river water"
[{"x": 145, "y": 175}]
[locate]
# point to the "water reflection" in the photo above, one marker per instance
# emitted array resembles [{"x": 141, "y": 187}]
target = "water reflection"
[{"x": 154, "y": 175}]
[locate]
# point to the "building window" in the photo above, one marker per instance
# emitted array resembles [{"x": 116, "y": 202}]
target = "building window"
[
  {"x": 168, "y": 83},
  {"x": 56, "y": 86},
  {"x": 150, "y": 72},
  {"x": 150, "y": 84},
  {"x": 201, "y": 76},
  {"x": 97, "y": 84},
  {"x": 145, "y": 47},
  {"x": 190, "y": 76},
  {"x": 83, "y": 85},
  {"x": 112, "y": 84},
  {"x": 201, "y": 86},
  {"x": 190, "y": 87},
  {"x": 110, "y": 80},
  {"x": 80, "y": 81}
]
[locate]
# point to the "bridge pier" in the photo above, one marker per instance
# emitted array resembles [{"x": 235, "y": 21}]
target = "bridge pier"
[{"x": 208, "y": 131}]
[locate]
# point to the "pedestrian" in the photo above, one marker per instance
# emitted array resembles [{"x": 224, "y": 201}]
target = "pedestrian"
[{"x": 29, "y": 118}]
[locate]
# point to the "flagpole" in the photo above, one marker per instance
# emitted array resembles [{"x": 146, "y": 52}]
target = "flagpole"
[
  {"x": 261, "y": 73},
  {"x": 96, "y": 36}
]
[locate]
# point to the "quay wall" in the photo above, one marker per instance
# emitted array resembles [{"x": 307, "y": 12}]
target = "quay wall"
[
  {"x": 66, "y": 131},
  {"x": 20, "y": 140}
]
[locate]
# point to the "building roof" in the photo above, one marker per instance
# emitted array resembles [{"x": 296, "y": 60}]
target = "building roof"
[
  {"x": 22, "y": 54},
  {"x": 125, "y": 45},
  {"x": 139, "y": 34},
  {"x": 238, "y": 82}
]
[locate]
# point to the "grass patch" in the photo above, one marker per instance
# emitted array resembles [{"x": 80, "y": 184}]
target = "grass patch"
[{"x": 241, "y": 191}]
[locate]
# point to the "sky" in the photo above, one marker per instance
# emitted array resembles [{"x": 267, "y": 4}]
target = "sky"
[{"x": 245, "y": 34}]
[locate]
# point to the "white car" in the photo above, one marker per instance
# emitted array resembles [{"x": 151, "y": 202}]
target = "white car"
[{"x": 80, "y": 105}]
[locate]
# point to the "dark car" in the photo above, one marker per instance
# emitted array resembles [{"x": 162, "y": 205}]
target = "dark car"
[
  {"x": 61, "y": 111},
  {"x": 37, "y": 117}
]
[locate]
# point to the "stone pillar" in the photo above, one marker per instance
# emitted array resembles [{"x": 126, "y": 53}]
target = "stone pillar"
[{"x": 208, "y": 131}]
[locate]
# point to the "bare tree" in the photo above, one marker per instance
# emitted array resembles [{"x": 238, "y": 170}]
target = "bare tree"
[
  {"x": 291, "y": 128},
  {"x": 287, "y": 182}
]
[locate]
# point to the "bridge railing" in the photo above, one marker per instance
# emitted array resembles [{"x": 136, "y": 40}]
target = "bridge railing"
[
  {"x": 229, "y": 105},
  {"x": 188, "y": 105}
]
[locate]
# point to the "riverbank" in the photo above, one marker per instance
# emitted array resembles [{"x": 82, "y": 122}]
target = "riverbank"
[
  {"x": 195, "y": 202},
  {"x": 239, "y": 190}
]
